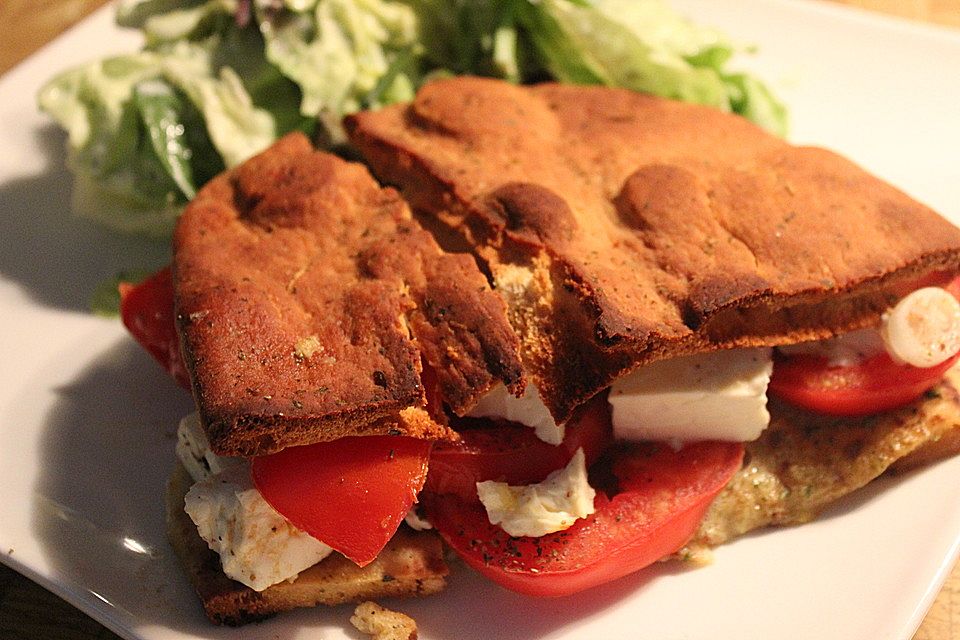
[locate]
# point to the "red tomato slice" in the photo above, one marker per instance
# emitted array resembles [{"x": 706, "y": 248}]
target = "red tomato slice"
[
  {"x": 953, "y": 287},
  {"x": 350, "y": 493},
  {"x": 513, "y": 453},
  {"x": 934, "y": 279},
  {"x": 874, "y": 385},
  {"x": 664, "y": 495},
  {"x": 146, "y": 310}
]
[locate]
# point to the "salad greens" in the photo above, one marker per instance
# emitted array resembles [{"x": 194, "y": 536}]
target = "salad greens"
[
  {"x": 219, "y": 80},
  {"x": 105, "y": 299}
]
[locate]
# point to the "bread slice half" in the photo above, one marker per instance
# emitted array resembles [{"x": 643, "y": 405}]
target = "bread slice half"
[
  {"x": 309, "y": 302},
  {"x": 411, "y": 564},
  {"x": 623, "y": 228}
]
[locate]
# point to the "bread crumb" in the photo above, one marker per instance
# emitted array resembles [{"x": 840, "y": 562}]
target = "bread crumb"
[
  {"x": 383, "y": 624},
  {"x": 306, "y": 347},
  {"x": 695, "y": 555}
]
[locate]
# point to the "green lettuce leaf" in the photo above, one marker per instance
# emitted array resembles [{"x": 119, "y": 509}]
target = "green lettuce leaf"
[
  {"x": 161, "y": 111},
  {"x": 478, "y": 37},
  {"x": 105, "y": 299},
  {"x": 752, "y": 99},
  {"x": 647, "y": 47},
  {"x": 344, "y": 53},
  {"x": 119, "y": 181},
  {"x": 193, "y": 22},
  {"x": 136, "y": 13},
  {"x": 145, "y": 131},
  {"x": 237, "y": 127}
]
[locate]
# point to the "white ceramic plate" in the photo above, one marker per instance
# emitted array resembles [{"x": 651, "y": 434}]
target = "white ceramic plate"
[{"x": 88, "y": 420}]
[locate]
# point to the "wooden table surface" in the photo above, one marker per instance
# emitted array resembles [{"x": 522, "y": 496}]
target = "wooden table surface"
[{"x": 29, "y": 612}]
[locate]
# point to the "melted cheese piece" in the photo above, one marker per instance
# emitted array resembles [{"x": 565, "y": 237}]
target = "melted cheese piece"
[
  {"x": 712, "y": 396},
  {"x": 528, "y": 410},
  {"x": 257, "y": 546},
  {"x": 193, "y": 450},
  {"x": 546, "y": 507}
]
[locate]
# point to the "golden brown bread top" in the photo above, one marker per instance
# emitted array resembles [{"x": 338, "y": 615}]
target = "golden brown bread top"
[
  {"x": 623, "y": 228},
  {"x": 411, "y": 564},
  {"x": 306, "y": 295}
]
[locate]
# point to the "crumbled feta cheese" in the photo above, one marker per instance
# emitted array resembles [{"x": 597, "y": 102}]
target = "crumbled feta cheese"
[
  {"x": 193, "y": 450},
  {"x": 538, "y": 509},
  {"x": 415, "y": 521},
  {"x": 257, "y": 546}
]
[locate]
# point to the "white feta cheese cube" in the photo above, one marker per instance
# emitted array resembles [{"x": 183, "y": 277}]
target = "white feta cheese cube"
[
  {"x": 712, "y": 396},
  {"x": 528, "y": 410},
  {"x": 193, "y": 450}
]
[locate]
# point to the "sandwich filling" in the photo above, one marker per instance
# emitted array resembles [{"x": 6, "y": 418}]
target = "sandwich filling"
[
  {"x": 257, "y": 546},
  {"x": 707, "y": 397},
  {"x": 714, "y": 396}
]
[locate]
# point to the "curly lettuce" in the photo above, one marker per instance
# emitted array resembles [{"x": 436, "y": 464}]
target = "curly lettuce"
[{"x": 647, "y": 47}]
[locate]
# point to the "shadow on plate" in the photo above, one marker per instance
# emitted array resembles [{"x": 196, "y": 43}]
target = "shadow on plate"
[
  {"x": 105, "y": 454},
  {"x": 56, "y": 257},
  {"x": 473, "y": 608}
]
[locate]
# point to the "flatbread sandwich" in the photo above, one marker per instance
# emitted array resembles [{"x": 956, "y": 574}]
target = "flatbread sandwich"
[
  {"x": 309, "y": 303},
  {"x": 660, "y": 249},
  {"x": 558, "y": 356}
]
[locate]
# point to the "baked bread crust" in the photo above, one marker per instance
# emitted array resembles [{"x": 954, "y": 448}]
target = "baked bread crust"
[
  {"x": 306, "y": 296},
  {"x": 411, "y": 564},
  {"x": 623, "y": 228}
]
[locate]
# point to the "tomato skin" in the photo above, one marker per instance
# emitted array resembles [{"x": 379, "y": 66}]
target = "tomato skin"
[
  {"x": 875, "y": 385},
  {"x": 352, "y": 493},
  {"x": 664, "y": 495},
  {"x": 146, "y": 310},
  {"x": 513, "y": 453},
  {"x": 942, "y": 279}
]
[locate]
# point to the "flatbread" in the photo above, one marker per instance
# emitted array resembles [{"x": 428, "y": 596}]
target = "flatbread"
[
  {"x": 411, "y": 564},
  {"x": 623, "y": 228},
  {"x": 804, "y": 462},
  {"x": 308, "y": 300}
]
